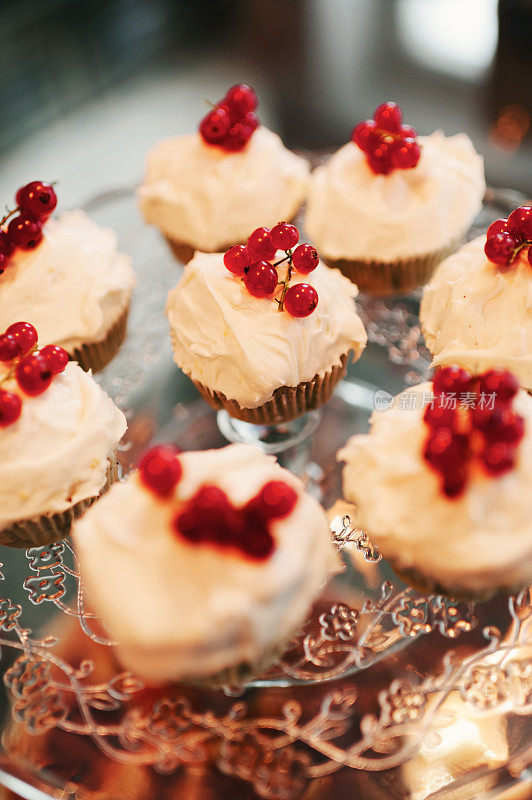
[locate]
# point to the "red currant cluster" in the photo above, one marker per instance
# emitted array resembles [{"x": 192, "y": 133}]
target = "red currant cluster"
[
  {"x": 483, "y": 427},
  {"x": 387, "y": 143},
  {"x": 231, "y": 123},
  {"x": 209, "y": 517},
  {"x": 252, "y": 262},
  {"x": 506, "y": 238},
  {"x": 35, "y": 203},
  {"x": 32, "y": 368}
]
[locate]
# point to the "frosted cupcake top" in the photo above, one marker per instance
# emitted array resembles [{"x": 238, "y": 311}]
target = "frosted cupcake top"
[
  {"x": 56, "y": 452},
  {"x": 240, "y": 345},
  {"x": 478, "y": 315},
  {"x": 477, "y": 535},
  {"x": 202, "y": 591},
  {"x": 209, "y": 198},
  {"x": 352, "y": 212},
  {"x": 73, "y": 286}
]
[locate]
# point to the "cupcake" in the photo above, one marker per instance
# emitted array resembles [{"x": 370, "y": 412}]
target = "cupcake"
[
  {"x": 442, "y": 483},
  {"x": 390, "y": 205},
  {"x": 58, "y": 435},
  {"x": 477, "y": 309},
  {"x": 266, "y": 330},
  {"x": 209, "y": 190},
  {"x": 67, "y": 276},
  {"x": 219, "y": 553}
]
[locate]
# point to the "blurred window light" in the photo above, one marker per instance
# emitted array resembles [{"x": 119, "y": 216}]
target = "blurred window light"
[{"x": 458, "y": 37}]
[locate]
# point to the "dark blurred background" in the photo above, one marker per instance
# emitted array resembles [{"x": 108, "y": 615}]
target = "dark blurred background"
[{"x": 88, "y": 86}]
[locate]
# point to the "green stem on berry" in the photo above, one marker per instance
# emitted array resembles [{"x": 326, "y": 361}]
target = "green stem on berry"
[{"x": 282, "y": 260}]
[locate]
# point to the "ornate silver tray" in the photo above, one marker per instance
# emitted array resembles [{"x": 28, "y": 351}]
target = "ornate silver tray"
[{"x": 367, "y": 699}]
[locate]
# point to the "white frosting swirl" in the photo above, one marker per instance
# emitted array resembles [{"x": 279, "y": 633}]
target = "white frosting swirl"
[
  {"x": 56, "y": 453},
  {"x": 354, "y": 213},
  {"x": 478, "y": 541},
  {"x": 192, "y": 610},
  {"x": 73, "y": 287},
  {"x": 243, "y": 346},
  {"x": 200, "y": 194},
  {"x": 476, "y": 315}
]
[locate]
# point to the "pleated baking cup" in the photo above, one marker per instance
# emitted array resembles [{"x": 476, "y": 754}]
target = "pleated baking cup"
[
  {"x": 393, "y": 277},
  {"x": 96, "y": 355},
  {"x": 287, "y": 403},
  {"x": 49, "y": 528},
  {"x": 428, "y": 585}
]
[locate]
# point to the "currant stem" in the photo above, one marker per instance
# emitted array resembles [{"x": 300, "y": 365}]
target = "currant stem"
[
  {"x": 281, "y": 260},
  {"x": 286, "y": 281},
  {"x": 9, "y": 214}
]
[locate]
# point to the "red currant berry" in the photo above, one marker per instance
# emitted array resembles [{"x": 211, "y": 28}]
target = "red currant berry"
[
  {"x": 57, "y": 357},
  {"x": 10, "y": 408},
  {"x": 498, "y": 457},
  {"x": 407, "y": 132},
  {"x": 215, "y": 126},
  {"x": 37, "y": 199},
  {"x": 261, "y": 279},
  {"x": 259, "y": 544},
  {"x": 25, "y": 334},
  {"x": 3, "y": 262},
  {"x": 389, "y": 117},
  {"x": 8, "y": 347},
  {"x": 6, "y": 248},
  {"x": 186, "y": 524},
  {"x": 305, "y": 258},
  {"x": 438, "y": 415},
  {"x": 363, "y": 135},
  {"x": 24, "y": 232},
  {"x": 501, "y": 383},
  {"x": 406, "y": 154},
  {"x": 501, "y": 249},
  {"x": 275, "y": 500},
  {"x": 237, "y": 259},
  {"x": 284, "y": 236},
  {"x": 241, "y": 99},
  {"x": 520, "y": 223},
  {"x": 380, "y": 157},
  {"x": 451, "y": 380},
  {"x": 509, "y": 427},
  {"x": 34, "y": 375},
  {"x": 300, "y": 300},
  {"x": 238, "y": 137},
  {"x": 260, "y": 245},
  {"x": 499, "y": 226},
  {"x": 446, "y": 450},
  {"x": 160, "y": 469},
  {"x": 252, "y": 120},
  {"x": 208, "y": 503},
  {"x": 454, "y": 481}
]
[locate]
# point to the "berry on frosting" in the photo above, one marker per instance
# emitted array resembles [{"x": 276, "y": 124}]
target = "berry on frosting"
[
  {"x": 253, "y": 263},
  {"x": 387, "y": 144},
  {"x": 471, "y": 420},
  {"x": 33, "y": 369},
  {"x": 506, "y": 238},
  {"x": 10, "y": 408},
  {"x": 160, "y": 469},
  {"x": 35, "y": 202},
  {"x": 209, "y": 517},
  {"x": 232, "y": 122}
]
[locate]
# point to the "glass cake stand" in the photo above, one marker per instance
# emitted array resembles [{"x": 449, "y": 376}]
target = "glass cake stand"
[{"x": 375, "y": 681}]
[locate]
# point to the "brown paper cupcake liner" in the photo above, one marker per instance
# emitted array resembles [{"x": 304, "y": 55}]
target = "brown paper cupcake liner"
[
  {"x": 183, "y": 251},
  {"x": 429, "y": 585},
  {"x": 394, "y": 277},
  {"x": 287, "y": 403},
  {"x": 96, "y": 355},
  {"x": 49, "y": 528}
]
